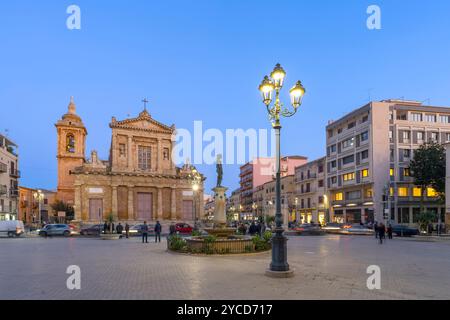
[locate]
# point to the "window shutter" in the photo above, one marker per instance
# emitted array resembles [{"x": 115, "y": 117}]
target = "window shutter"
[{"x": 400, "y": 136}]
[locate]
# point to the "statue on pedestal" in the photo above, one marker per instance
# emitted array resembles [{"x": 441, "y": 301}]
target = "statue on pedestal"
[{"x": 219, "y": 170}]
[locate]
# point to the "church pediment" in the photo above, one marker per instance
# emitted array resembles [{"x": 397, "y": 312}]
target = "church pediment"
[{"x": 143, "y": 122}]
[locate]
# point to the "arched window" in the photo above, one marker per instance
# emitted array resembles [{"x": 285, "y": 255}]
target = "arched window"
[{"x": 70, "y": 143}]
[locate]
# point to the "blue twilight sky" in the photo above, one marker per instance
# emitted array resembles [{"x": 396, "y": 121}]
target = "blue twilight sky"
[{"x": 203, "y": 60}]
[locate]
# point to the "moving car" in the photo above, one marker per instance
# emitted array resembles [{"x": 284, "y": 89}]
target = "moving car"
[
  {"x": 404, "y": 231},
  {"x": 136, "y": 230},
  {"x": 57, "y": 230},
  {"x": 183, "y": 228},
  {"x": 333, "y": 227},
  {"x": 94, "y": 230},
  {"x": 12, "y": 228},
  {"x": 358, "y": 229},
  {"x": 308, "y": 229}
]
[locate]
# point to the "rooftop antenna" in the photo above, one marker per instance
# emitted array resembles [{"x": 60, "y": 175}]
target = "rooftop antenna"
[
  {"x": 428, "y": 99},
  {"x": 370, "y": 93}
]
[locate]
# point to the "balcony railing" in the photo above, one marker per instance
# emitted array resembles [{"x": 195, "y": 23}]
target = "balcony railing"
[
  {"x": 3, "y": 168},
  {"x": 3, "y": 190},
  {"x": 14, "y": 193},
  {"x": 15, "y": 173}
]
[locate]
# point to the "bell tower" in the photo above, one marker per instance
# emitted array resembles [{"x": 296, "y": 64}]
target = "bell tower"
[{"x": 71, "y": 144}]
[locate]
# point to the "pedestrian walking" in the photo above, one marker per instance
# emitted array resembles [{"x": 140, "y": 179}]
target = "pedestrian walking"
[
  {"x": 127, "y": 230},
  {"x": 105, "y": 227},
  {"x": 389, "y": 231},
  {"x": 119, "y": 228},
  {"x": 144, "y": 230},
  {"x": 158, "y": 229},
  {"x": 381, "y": 232},
  {"x": 375, "y": 228}
]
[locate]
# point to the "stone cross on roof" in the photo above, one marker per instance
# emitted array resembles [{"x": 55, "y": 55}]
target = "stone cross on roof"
[{"x": 145, "y": 101}]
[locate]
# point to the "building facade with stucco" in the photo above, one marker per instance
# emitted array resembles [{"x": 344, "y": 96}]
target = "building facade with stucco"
[{"x": 139, "y": 182}]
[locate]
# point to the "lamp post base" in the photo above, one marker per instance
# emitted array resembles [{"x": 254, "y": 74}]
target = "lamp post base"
[
  {"x": 280, "y": 274},
  {"x": 279, "y": 252}
]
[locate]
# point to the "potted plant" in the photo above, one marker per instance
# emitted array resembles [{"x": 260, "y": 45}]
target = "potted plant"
[{"x": 110, "y": 235}]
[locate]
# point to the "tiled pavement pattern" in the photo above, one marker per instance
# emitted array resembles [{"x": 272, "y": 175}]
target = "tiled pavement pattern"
[{"x": 331, "y": 267}]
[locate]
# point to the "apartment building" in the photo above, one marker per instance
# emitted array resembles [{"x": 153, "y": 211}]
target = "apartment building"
[
  {"x": 264, "y": 199},
  {"x": 311, "y": 201},
  {"x": 9, "y": 175},
  {"x": 259, "y": 171},
  {"x": 368, "y": 155},
  {"x": 234, "y": 204},
  {"x": 29, "y": 206}
]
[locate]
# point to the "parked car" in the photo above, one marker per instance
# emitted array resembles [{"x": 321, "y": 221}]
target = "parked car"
[
  {"x": 136, "y": 230},
  {"x": 57, "y": 230},
  {"x": 358, "y": 229},
  {"x": 12, "y": 228},
  {"x": 404, "y": 231},
  {"x": 183, "y": 228},
  {"x": 94, "y": 230}
]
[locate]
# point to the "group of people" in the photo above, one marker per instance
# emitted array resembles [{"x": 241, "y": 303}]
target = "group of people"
[
  {"x": 109, "y": 227},
  {"x": 381, "y": 230},
  {"x": 254, "y": 228},
  {"x": 145, "y": 230}
]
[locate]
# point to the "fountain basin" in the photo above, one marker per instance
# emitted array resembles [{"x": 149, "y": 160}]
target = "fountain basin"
[{"x": 229, "y": 245}]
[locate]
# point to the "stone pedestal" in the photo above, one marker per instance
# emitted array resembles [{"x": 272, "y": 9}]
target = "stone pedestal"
[{"x": 220, "y": 216}]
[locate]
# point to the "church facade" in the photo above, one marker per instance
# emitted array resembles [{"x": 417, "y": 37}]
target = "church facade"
[{"x": 139, "y": 182}]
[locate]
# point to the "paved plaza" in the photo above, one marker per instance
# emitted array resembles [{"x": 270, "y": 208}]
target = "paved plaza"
[{"x": 330, "y": 267}]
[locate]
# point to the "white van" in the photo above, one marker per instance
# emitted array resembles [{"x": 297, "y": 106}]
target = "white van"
[{"x": 12, "y": 228}]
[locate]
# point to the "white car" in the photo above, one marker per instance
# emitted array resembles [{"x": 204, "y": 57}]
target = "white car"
[
  {"x": 12, "y": 228},
  {"x": 359, "y": 230}
]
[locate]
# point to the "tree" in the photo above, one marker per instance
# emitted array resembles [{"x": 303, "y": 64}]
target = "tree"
[
  {"x": 428, "y": 169},
  {"x": 60, "y": 205}
]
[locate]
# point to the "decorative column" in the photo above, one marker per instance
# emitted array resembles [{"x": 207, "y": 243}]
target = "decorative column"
[
  {"x": 78, "y": 208},
  {"x": 114, "y": 203},
  {"x": 158, "y": 155},
  {"x": 129, "y": 153},
  {"x": 447, "y": 188},
  {"x": 159, "y": 206},
  {"x": 131, "y": 215},
  {"x": 173, "y": 204}
]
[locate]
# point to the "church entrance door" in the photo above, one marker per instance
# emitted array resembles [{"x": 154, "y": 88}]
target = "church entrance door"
[
  {"x": 188, "y": 210},
  {"x": 95, "y": 209},
  {"x": 144, "y": 206}
]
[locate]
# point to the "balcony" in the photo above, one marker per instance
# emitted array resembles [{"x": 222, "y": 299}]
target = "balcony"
[
  {"x": 15, "y": 173},
  {"x": 3, "y": 190},
  {"x": 14, "y": 193},
  {"x": 3, "y": 168}
]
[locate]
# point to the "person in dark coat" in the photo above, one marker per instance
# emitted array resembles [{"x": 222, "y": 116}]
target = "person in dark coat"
[
  {"x": 127, "y": 230},
  {"x": 105, "y": 227},
  {"x": 389, "y": 231},
  {"x": 258, "y": 229},
  {"x": 381, "y": 232},
  {"x": 172, "y": 229},
  {"x": 144, "y": 230},
  {"x": 119, "y": 228},
  {"x": 253, "y": 229},
  {"x": 158, "y": 229}
]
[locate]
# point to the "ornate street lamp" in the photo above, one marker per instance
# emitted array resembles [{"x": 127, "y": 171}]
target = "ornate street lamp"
[
  {"x": 195, "y": 178},
  {"x": 38, "y": 196},
  {"x": 279, "y": 265}
]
